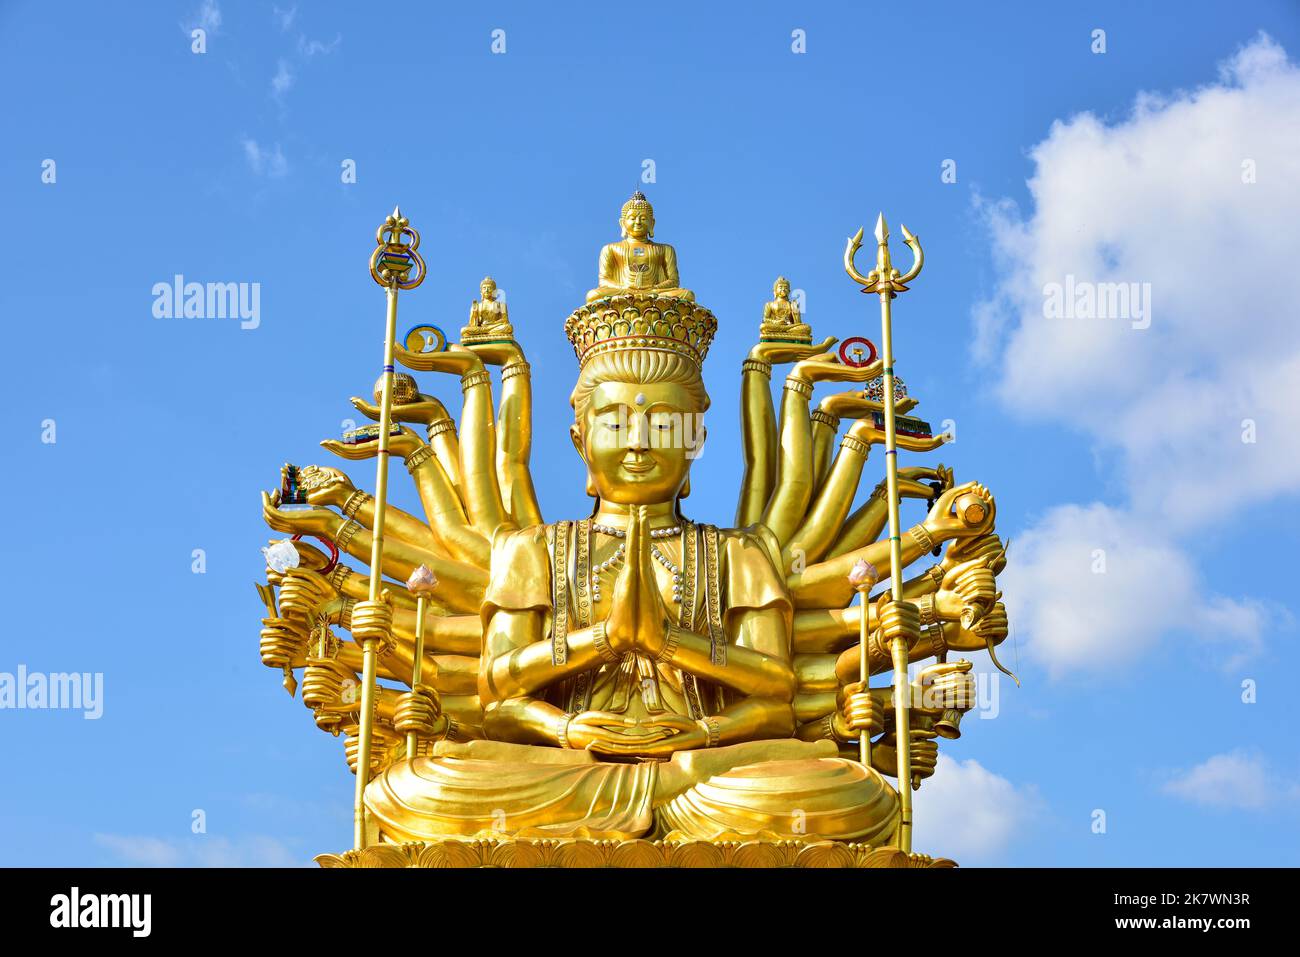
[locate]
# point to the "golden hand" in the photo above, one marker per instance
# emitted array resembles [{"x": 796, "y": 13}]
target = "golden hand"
[
  {"x": 303, "y": 593},
  {"x": 974, "y": 588},
  {"x": 990, "y": 630},
  {"x": 594, "y": 730},
  {"x": 424, "y": 410},
  {"x": 858, "y": 711},
  {"x": 920, "y": 473},
  {"x": 404, "y": 444},
  {"x": 826, "y": 367},
  {"x": 326, "y": 486},
  {"x": 924, "y": 750},
  {"x": 988, "y": 546},
  {"x": 925, "y": 753},
  {"x": 945, "y": 686},
  {"x": 454, "y": 359},
  {"x": 943, "y": 524},
  {"x": 637, "y": 615},
  {"x": 658, "y": 736},
  {"x": 907, "y": 487},
  {"x": 497, "y": 353},
  {"x": 312, "y": 521},
  {"x": 779, "y": 353}
]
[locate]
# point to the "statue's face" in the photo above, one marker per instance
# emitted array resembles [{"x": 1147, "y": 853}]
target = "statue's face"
[
  {"x": 639, "y": 452},
  {"x": 487, "y": 289},
  {"x": 782, "y": 290},
  {"x": 638, "y": 223}
]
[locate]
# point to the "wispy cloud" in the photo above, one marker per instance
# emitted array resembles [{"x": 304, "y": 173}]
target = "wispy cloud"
[
  {"x": 200, "y": 850},
  {"x": 310, "y": 48},
  {"x": 265, "y": 161},
  {"x": 284, "y": 18},
  {"x": 1238, "y": 780},
  {"x": 282, "y": 81},
  {"x": 207, "y": 18}
]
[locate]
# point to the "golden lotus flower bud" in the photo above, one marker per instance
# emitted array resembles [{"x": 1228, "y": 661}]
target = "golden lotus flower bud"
[
  {"x": 863, "y": 574},
  {"x": 422, "y": 581}
]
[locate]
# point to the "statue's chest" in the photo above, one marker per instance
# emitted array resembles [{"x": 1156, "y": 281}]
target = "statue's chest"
[
  {"x": 687, "y": 573},
  {"x": 641, "y": 260}
]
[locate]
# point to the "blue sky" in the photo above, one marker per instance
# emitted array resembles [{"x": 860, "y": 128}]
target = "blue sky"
[{"x": 225, "y": 167}]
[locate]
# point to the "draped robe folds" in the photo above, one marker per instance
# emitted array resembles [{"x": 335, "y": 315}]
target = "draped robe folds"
[
  {"x": 782, "y": 789},
  {"x": 638, "y": 266}
]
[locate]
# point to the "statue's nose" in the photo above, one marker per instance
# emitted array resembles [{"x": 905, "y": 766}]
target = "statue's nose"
[{"x": 637, "y": 433}]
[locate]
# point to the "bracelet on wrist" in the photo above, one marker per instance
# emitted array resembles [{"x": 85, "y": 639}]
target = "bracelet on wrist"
[
  {"x": 670, "y": 644},
  {"x": 562, "y": 729},
  {"x": 601, "y": 642},
  {"x": 922, "y": 537}
]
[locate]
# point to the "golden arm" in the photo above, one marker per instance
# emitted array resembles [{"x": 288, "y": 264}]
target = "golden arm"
[
  {"x": 793, "y": 487},
  {"x": 478, "y": 442},
  {"x": 515, "y": 441},
  {"x": 758, "y": 440},
  {"x": 757, "y": 662},
  {"x": 460, "y": 586},
  {"x": 446, "y": 513},
  {"x": 825, "y": 426}
]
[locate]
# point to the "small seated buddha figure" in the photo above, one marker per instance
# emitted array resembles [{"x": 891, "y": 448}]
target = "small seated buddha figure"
[
  {"x": 637, "y": 264},
  {"x": 488, "y": 316},
  {"x": 636, "y": 670},
  {"x": 781, "y": 319}
]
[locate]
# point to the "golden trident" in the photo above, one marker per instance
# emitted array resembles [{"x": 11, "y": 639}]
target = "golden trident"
[
  {"x": 395, "y": 264},
  {"x": 887, "y": 282}
]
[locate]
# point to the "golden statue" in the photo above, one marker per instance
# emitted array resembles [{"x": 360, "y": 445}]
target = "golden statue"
[
  {"x": 632, "y": 686},
  {"x": 638, "y": 264},
  {"x": 489, "y": 319},
  {"x": 781, "y": 320}
]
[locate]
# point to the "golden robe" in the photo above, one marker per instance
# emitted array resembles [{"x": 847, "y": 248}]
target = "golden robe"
[{"x": 779, "y": 789}]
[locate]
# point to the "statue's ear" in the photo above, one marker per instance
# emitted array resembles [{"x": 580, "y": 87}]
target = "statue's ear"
[{"x": 576, "y": 435}]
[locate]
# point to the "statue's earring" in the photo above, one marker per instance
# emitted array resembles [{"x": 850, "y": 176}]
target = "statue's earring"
[{"x": 591, "y": 484}]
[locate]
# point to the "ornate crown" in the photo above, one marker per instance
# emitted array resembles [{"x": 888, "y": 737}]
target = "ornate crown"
[{"x": 643, "y": 321}]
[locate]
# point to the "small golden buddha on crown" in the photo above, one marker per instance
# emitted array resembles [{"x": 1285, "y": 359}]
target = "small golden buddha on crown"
[{"x": 637, "y": 264}]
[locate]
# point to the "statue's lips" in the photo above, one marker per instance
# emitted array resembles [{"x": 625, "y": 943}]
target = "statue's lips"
[{"x": 638, "y": 468}]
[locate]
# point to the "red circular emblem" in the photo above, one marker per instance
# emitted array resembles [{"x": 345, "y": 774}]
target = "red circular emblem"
[{"x": 855, "y": 344}]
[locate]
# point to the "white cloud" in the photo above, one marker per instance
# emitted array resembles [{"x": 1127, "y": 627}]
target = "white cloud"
[
  {"x": 1235, "y": 780},
  {"x": 1157, "y": 198},
  {"x": 283, "y": 18},
  {"x": 199, "y": 851},
  {"x": 208, "y": 18},
  {"x": 968, "y": 813},
  {"x": 1095, "y": 589},
  {"x": 265, "y": 161},
  {"x": 283, "y": 80},
  {"x": 311, "y": 48}
]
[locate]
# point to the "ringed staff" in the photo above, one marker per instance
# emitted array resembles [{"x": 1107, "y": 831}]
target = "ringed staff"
[
  {"x": 886, "y": 282},
  {"x": 395, "y": 264}
]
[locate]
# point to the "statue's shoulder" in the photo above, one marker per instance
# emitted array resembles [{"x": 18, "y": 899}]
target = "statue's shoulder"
[
  {"x": 751, "y": 568},
  {"x": 520, "y": 575},
  {"x": 756, "y": 536},
  {"x": 508, "y": 536}
]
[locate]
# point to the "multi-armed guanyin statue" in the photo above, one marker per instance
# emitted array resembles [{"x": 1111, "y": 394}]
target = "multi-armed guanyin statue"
[{"x": 634, "y": 678}]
